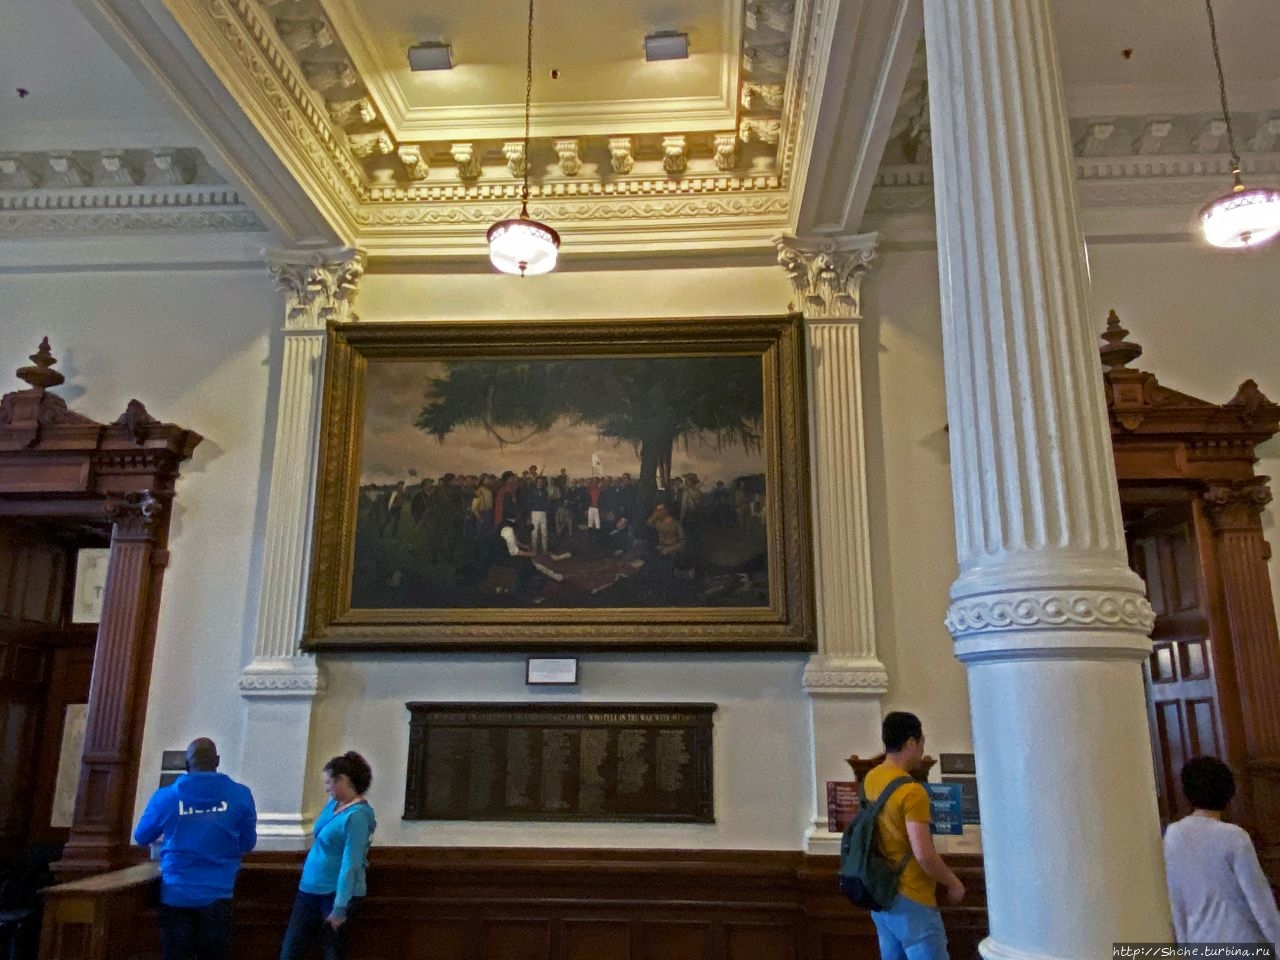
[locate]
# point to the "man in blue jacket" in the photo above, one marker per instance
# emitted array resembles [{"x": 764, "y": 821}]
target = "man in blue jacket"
[{"x": 208, "y": 822}]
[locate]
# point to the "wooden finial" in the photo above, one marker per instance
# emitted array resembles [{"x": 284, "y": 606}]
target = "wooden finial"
[
  {"x": 1117, "y": 351},
  {"x": 42, "y": 376}
]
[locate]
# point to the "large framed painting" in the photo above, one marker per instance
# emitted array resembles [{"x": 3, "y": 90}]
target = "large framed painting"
[{"x": 637, "y": 484}]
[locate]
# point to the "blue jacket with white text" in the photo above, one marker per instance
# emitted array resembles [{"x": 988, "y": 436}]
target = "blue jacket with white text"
[{"x": 208, "y": 822}]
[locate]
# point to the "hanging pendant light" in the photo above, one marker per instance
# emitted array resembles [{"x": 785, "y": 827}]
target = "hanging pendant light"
[
  {"x": 1241, "y": 218},
  {"x": 523, "y": 245}
]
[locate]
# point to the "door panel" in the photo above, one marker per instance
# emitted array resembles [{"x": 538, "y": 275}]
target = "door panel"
[{"x": 1182, "y": 700}]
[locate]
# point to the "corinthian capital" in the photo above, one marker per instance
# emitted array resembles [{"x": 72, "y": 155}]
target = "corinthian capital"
[
  {"x": 319, "y": 284},
  {"x": 1237, "y": 504},
  {"x": 826, "y": 273},
  {"x": 135, "y": 515}
]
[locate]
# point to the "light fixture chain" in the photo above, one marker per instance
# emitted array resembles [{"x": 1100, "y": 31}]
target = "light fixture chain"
[
  {"x": 1222, "y": 88},
  {"x": 528, "y": 99}
]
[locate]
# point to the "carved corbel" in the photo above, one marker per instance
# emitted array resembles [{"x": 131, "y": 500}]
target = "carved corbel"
[
  {"x": 826, "y": 273},
  {"x": 1237, "y": 505},
  {"x": 1154, "y": 136},
  {"x": 776, "y": 15},
  {"x": 514, "y": 151},
  {"x": 726, "y": 145},
  {"x": 1096, "y": 141},
  {"x": 464, "y": 155},
  {"x": 168, "y": 168},
  {"x": 620, "y": 156},
  {"x": 343, "y": 112},
  {"x": 67, "y": 172},
  {"x": 113, "y": 169},
  {"x": 1264, "y": 141},
  {"x": 767, "y": 60},
  {"x": 15, "y": 174},
  {"x": 329, "y": 75},
  {"x": 377, "y": 143},
  {"x": 757, "y": 95},
  {"x": 675, "y": 156},
  {"x": 762, "y": 129},
  {"x": 415, "y": 165},
  {"x": 299, "y": 35},
  {"x": 1211, "y": 137},
  {"x": 570, "y": 160}
]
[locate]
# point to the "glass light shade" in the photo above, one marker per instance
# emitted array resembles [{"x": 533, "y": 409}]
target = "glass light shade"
[
  {"x": 523, "y": 246},
  {"x": 1242, "y": 218}
]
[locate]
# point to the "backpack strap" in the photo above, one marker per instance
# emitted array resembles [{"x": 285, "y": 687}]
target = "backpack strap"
[{"x": 881, "y": 800}]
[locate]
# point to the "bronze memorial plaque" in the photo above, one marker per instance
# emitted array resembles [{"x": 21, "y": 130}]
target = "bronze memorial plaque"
[{"x": 560, "y": 761}]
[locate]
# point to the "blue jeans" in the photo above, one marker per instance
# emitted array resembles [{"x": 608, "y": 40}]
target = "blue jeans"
[
  {"x": 910, "y": 931},
  {"x": 307, "y": 921}
]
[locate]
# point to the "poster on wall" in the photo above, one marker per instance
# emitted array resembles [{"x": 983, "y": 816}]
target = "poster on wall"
[
  {"x": 947, "y": 807},
  {"x": 500, "y": 484}
]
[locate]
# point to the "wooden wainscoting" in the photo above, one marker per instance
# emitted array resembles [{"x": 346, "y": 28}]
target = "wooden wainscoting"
[
  {"x": 436, "y": 903},
  {"x": 537, "y": 904}
]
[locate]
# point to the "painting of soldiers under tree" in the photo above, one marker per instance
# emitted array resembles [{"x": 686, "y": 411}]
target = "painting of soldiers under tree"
[{"x": 581, "y": 484}]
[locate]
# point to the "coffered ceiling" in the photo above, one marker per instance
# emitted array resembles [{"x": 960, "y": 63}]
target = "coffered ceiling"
[{"x": 301, "y": 117}]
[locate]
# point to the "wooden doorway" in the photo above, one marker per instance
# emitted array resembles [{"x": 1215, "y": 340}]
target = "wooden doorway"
[
  {"x": 68, "y": 483},
  {"x": 1193, "y": 522}
]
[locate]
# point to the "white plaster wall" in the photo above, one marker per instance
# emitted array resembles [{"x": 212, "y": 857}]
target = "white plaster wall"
[
  {"x": 761, "y": 760},
  {"x": 194, "y": 347}
]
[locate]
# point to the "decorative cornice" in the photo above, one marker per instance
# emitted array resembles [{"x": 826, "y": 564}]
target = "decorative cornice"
[
  {"x": 826, "y": 273},
  {"x": 1135, "y": 179},
  {"x": 319, "y": 285},
  {"x": 1050, "y": 609}
]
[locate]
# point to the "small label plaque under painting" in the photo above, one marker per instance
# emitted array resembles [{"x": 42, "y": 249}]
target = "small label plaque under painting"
[{"x": 560, "y": 761}]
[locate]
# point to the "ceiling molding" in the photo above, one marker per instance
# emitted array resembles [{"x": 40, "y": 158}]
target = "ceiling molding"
[
  {"x": 157, "y": 50},
  {"x": 506, "y": 120},
  {"x": 93, "y": 211}
]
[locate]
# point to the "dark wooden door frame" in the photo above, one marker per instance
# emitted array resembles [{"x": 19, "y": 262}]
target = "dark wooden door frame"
[
  {"x": 55, "y": 463},
  {"x": 1170, "y": 446}
]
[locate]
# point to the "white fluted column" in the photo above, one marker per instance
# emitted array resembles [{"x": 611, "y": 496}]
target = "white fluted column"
[
  {"x": 280, "y": 684},
  {"x": 844, "y": 679},
  {"x": 1046, "y": 614}
]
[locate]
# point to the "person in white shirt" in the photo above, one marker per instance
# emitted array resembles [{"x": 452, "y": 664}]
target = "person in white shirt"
[{"x": 1217, "y": 889}]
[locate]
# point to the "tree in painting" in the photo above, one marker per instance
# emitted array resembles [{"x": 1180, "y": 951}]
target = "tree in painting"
[
  {"x": 652, "y": 404},
  {"x": 453, "y": 518}
]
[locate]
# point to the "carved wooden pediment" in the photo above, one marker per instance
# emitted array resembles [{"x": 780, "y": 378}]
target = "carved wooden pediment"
[
  {"x": 46, "y": 447},
  {"x": 1143, "y": 410}
]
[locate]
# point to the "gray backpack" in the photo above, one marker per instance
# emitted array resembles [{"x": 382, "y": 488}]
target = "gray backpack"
[{"x": 866, "y": 878}]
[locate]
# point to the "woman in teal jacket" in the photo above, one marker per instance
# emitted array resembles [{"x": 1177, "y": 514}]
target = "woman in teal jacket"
[{"x": 333, "y": 874}]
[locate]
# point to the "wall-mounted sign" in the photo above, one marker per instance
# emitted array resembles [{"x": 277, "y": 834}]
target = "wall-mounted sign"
[
  {"x": 947, "y": 806},
  {"x": 91, "y": 581},
  {"x": 842, "y": 804},
  {"x": 551, "y": 671}
]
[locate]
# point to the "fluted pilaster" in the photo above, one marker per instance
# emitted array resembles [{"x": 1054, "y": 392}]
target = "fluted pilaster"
[
  {"x": 121, "y": 669},
  {"x": 845, "y": 679},
  {"x": 1046, "y": 612},
  {"x": 280, "y": 683}
]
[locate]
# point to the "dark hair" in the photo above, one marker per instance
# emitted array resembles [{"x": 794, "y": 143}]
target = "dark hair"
[
  {"x": 1208, "y": 784},
  {"x": 354, "y": 767},
  {"x": 898, "y": 728}
]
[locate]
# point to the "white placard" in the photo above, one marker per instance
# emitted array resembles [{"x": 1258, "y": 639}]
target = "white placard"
[
  {"x": 91, "y": 581},
  {"x": 69, "y": 757},
  {"x": 551, "y": 670}
]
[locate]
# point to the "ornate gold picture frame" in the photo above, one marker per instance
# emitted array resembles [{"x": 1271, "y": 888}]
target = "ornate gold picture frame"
[{"x": 563, "y": 484}]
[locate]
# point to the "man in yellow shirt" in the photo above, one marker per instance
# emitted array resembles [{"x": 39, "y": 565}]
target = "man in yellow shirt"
[{"x": 911, "y": 929}]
